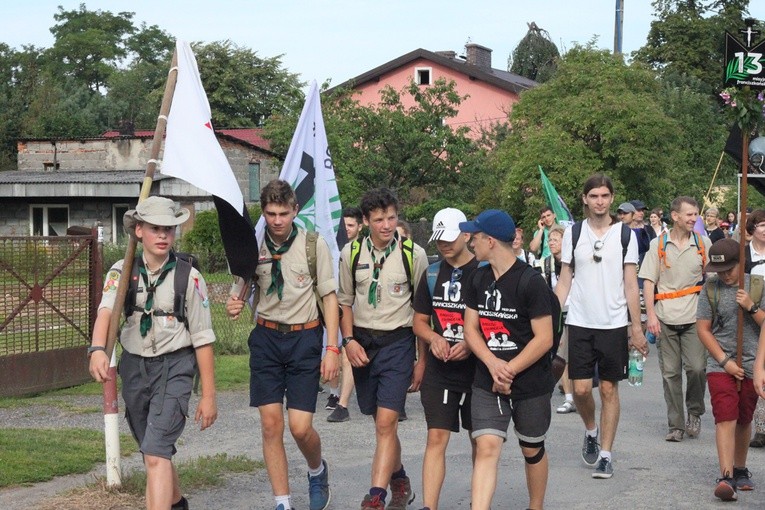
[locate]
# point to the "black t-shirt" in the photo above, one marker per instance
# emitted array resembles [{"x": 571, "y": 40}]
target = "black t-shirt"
[
  {"x": 506, "y": 326},
  {"x": 715, "y": 234},
  {"x": 447, "y": 311}
]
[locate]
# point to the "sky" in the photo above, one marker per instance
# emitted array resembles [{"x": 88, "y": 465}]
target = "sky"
[{"x": 341, "y": 39}]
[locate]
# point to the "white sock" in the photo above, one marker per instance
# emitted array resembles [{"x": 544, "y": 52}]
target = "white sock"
[
  {"x": 335, "y": 392},
  {"x": 316, "y": 472},
  {"x": 284, "y": 500},
  {"x": 593, "y": 432},
  {"x": 605, "y": 455},
  {"x": 569, "y": 397}
]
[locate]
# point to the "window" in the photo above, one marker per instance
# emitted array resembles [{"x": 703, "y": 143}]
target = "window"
[
  {"x": 49, "y": 220},
  {"x": 118, "y": 233},
  {"x": 422, "y": 75},
  {"x": 254, "y": 170}
]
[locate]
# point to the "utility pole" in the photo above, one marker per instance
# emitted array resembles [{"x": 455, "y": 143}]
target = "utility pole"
[{"x": 618, "y": 27}]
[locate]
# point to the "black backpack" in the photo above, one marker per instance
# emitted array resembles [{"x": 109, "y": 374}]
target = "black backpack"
[
  {"x": 184, "y": 263},
  {"x": 557, "y": 312}
]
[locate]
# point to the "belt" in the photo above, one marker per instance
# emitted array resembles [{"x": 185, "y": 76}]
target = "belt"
[
  {"x": 287, "y": 328},
  {"x": 678, "y": 293}
]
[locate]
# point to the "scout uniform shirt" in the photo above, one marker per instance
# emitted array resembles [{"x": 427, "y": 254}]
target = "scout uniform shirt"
[
  {"x": 298, "y": 303},
  {"x": 167, "y": 334},
  {"x": 394, "y": 308}
]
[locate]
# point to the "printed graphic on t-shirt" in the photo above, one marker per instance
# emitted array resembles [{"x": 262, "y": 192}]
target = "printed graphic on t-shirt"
[
  {"x": 451, "y": 324},
  {"x": 497, "y": 336}
]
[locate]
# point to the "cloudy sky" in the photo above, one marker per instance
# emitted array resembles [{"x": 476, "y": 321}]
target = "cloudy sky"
[{"x": 340, "y": 39}]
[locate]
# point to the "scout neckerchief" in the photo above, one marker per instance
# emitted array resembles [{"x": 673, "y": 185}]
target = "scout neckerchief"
[
  {"x": 151, "y": 288},
  {"x": 277, "y": 280},
  {"x": 374, "y": 294}
]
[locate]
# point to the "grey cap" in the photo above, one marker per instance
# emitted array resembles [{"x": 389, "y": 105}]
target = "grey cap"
[
  {"x": 626, "y": 207},
  {"x": 157, "y": 211}
]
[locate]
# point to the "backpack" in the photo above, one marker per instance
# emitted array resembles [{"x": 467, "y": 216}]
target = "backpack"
[
  {"x": 432, "y": 274},
  {"x": 748, "y": 264},
  {"x": 557, "y": 312},
  {"x": 756, "y": 287},
  {"x": 407, "y": 256},
  {"x": 576, "y": 232},
  {"x": 700, "y": 249},
  {"x": 184, "y": 263}
]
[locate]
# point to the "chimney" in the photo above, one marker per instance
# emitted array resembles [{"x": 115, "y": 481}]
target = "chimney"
[
  {"x": 447, "y": 54},
  {"x": 477, "y": 55}
]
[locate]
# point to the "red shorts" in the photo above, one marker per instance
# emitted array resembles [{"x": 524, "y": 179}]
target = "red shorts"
[{"x": 728, "y": 403}]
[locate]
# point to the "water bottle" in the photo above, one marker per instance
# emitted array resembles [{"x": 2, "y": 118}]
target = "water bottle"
[
  {"x": 650, "y": 337},
  {"x": 635, "y": 368}
]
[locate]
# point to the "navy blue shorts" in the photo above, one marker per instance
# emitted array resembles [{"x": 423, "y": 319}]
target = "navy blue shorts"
[
  {"x": 156, "y": 392},
  {"x": 386, "y": 379},
  {"x": 285, "y": 362}
]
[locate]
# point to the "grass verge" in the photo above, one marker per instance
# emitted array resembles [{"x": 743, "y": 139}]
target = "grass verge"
[{"x": 37, "y": 455}]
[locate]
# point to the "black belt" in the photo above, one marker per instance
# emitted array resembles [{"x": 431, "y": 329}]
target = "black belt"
[
  {"x": 680, "y": 328},
  {"x": 376, "y": 338}
]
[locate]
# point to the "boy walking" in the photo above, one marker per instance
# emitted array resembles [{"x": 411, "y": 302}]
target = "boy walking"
[
  {"x": 286, "y": 344},
  {"x": 731, "y": 388},
  {"x": 161, "y": 351}
]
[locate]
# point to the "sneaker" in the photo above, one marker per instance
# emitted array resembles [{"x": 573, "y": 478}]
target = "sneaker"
[
  {"x": 758, "y": 441},
  {"x": 282, "y": 507},
  {"x": 674, "y": 436},
  {"x": 401, "y": 494},
  {"x": 590, "y": 450},
  {"x": 566, "y": 407},
  {"x": 604, "y": 469},
  {"x": 372, "y": 503},
  {"x": 693, "y": 426},
  {"x": 743, "y": 479},
  {"x": 318, "y": 489},
  {"x": 726, "y": 489},
  {"x": 332, "y": 402},
  {"x": 339, "y": 414}
]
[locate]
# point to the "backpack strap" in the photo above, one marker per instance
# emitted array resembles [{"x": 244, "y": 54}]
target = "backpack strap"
[
  {"x": 756, "y": 287},
  {"x": 431, "y": 276},
  {"x": 132, "y": 291},
  {"x": 626, "y": 231},
  {"x": 180, "y": 284},
  {"x": 311, "y": 238},
  {"x": 713, "y": 291},
  {"x": 701, "y": 250},
  {"x": 663, "y": 250},
  {"x": 407, "y": 256},
  {"x": 576, "y": 232},
  {"x": 548, "y": 270}
]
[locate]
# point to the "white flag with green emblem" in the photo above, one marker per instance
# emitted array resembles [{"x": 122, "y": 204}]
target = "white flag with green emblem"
[{"x": 308, "y": 168}]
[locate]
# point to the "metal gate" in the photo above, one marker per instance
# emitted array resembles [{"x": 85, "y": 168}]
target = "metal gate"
[{"x": 50, "y": 293}]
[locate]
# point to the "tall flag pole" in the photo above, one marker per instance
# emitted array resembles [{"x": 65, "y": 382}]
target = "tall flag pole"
[
  {"x": 192, "y": 153},
  {"x": 555, "y": 202},
  {"x": 309, "y": 170}
]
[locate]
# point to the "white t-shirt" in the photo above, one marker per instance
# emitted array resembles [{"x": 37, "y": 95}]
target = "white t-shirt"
[
  {"x": 756, "y": 268},
  {"x": 597, "y": 299}
]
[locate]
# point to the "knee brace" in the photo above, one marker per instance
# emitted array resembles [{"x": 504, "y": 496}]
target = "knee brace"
[{"x": 538, "y": 456}]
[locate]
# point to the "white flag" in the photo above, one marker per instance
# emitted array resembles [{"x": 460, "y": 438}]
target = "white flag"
[
  {"x": 309, "y": 170},
  {"x": 192, "y": 151}
]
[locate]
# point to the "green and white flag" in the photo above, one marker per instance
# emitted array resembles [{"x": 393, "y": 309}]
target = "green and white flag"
[
  {"x": 555, "y": 202},
  {"x": 308, "y": 168}
]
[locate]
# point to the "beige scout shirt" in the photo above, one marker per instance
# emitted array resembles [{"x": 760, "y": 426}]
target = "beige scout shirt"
[
  {"x": 167, "y": 334},
  {"x": 684, "y": 271},
  {"x": 394, "y": 310},
  {"x": 298, "y": 303}
]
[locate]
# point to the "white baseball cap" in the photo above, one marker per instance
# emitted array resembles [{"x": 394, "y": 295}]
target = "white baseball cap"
[{"x": 446, "y": 224}]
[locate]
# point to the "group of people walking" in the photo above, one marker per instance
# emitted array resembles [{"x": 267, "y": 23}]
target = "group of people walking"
[{"x": 477, "y": 331}]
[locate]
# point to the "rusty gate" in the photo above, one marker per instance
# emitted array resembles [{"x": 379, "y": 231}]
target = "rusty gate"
[{"x": 51, "y": 287}]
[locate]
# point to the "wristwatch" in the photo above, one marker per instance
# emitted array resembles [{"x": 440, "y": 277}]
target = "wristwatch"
[
  {"x": 347, "y": 340},
  {"x": 753, "y": 310},
  {"x": 94, "y": 348}
]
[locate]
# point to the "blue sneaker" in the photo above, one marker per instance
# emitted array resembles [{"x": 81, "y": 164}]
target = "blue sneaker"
[{"x": 318, "y": 489}]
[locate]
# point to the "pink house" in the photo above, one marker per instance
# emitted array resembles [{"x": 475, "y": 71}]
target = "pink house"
[{"x": 492, "y": 92}]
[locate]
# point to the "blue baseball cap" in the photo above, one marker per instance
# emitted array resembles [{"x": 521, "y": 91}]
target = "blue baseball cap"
[{"x": 492, "y": 222}]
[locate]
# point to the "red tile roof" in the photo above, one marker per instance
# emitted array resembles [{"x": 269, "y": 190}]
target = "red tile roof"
[{"x": 251, "y": 136}]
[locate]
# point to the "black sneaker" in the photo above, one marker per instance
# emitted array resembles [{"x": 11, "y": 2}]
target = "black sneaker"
[
  {"x": 340, "y": 414},
  {"x": 332, "y": 402},
  {"x": 743, "y": 479},
  {"x": 726, "y": 489}
]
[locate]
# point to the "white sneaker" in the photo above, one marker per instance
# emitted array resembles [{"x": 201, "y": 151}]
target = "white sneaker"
[{"x": 566, "y": 407}]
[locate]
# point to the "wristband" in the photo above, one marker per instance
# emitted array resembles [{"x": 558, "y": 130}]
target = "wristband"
[
  {"x": 333, "y": 348},
  {"x": 724, "y": 361},
  {"x": 347, "y": 340},
  {"x": 94, "y": 348}
]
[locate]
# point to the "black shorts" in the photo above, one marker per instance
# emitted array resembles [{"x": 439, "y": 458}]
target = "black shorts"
[
  {"x": 444, "y": 409},
  {"x": 492, "y": 413},
  {"x": 606, "y": 347},
  {"x": 156, "y": 392},
  {"x": 386, "y": 379},
  {"x": 285, "y": 362}
]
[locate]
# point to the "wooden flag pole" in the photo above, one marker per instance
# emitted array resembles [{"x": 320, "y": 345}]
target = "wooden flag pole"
[
  {"x": 742, "y": 245},
  {"x": 159, "y": 133}
]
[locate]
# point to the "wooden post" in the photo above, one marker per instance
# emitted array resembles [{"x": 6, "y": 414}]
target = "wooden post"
[{"x": 742, "y": 244}]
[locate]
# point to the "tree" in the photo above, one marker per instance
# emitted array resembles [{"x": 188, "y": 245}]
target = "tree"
[
  {"x": 595, "y": 115},
  {"x": 410, "y": 149},
  {"x": 89, "y": 44},
  {"x": 536, "y": 55},
  {"x": 243, "y": 89},
  {"x": 688, "y": 38}
]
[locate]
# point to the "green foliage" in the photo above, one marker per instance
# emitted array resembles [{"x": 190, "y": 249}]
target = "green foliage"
[
  {"x": 37, "y": 455},
  {"x": 596, "y": 115},
  {"x": 536, "y": 55},
  {"x": 243, "y": 89}
]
